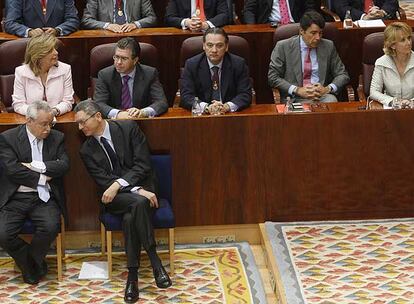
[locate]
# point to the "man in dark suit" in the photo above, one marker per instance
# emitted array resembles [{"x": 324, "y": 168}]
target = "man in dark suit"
[
  {"x": 27, "y": 18},
  {"x": 306, "y": 66},
  {"x": 34, "y": 162},
  {"x": 196, "y": 15},
  {"x": 129, "y": 89},
  {"x": 367, "y": 9},
  {"x": 272, "y": 11},
  {"x": 114, "y": 16},
  {"x": 117, "y": 157},
  {"x": 218, "y": 79}
]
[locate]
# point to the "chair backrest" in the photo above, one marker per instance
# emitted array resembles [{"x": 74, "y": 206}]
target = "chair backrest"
[
  {"x": 372, "y": 49},
  {"x": 101, "y": 57},
  {"x": 162, "y": 167},
  {"x": 11, "y": 56},
  {"x": 286, "y": 31},
  {"x": 194, "y": 45}
]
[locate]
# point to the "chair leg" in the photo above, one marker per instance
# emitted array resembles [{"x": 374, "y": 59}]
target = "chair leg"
[
  {"x": 109, "y": 252},
  {"x": 103, "y": 239},
  {"x": 59, "y": 256},
  {"x": 171, "y": 249},
  {"x": 62, "y": 231}
]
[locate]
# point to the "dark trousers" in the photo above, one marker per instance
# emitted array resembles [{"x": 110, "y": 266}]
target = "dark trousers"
[
  {"x": 136, "y": 225},
  {"x": 46, "y": 219}
]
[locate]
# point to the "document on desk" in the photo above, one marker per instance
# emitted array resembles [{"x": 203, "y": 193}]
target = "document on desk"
[
  {"x": 370, "y": 23},
  {"x": 94, "y": 270}
]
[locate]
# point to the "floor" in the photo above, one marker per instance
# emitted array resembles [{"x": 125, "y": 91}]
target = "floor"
[{"x": 259, "y": 256}]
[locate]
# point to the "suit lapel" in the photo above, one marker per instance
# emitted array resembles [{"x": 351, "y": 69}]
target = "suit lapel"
[
  {"x": 117, "y": 140},
  {"x": 137, "y": 89},
  {"x": 225, "y": 76},
  {"x": 24, "y": 145},
  {"x": 38, "y": 9},
  {"x": 205, "y": 78},
  {"x": 297, "y": 59},
  {"x": 322, "y": 62},
  {"x": 50, "y": 8},
  {"x": 99, "y": 154}
]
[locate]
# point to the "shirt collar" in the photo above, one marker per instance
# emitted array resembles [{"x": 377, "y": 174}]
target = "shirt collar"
[
  {"x": 210, "y": 64},
  {"x": 106, "y": 133},
  {"x": 31, "y": 136},
  {"x": 132, "y": 74},
  {"x": 303, "y": 45}
]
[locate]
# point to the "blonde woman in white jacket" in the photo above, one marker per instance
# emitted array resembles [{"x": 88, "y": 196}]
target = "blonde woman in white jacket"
[{"x": 394, "y": 72}]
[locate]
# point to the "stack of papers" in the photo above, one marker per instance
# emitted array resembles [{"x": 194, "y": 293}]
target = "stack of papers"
[
  {"x": 94, "y": 270},
  {"x": 370, "y": 23}
]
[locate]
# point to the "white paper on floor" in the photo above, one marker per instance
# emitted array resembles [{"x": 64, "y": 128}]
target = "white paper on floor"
[{"x": 94, "y": 270}]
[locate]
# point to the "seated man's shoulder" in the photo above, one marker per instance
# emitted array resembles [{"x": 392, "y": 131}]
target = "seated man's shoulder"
[
  {"x": 148, "y": 68},
  {"x": 106, "y": 71}
]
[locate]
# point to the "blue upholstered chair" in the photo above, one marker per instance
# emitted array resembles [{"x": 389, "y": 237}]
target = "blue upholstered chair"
[
  {"x": 29, "y": 228},
  {"x": 163, "y": 216}
]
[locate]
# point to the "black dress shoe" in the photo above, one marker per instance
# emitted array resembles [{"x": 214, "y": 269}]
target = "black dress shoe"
[
  {"x": 30, "y": 278},
  {"x": 131, "y": 292},
  {"x": 42, "y": 270},
  {"x": 161, "y": 277}
]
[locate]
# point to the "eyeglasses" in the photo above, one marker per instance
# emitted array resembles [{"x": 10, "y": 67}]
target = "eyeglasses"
[
  {"x": 44, "y": 125},
  {"x": 83, "y": 122},
  {"x": 121, "y": 58}
]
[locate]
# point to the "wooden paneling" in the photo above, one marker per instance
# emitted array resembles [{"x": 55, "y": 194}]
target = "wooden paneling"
[{"x": 258, "y": 165}]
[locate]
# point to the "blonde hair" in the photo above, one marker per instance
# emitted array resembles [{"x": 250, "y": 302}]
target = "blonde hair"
[
  {"x": 37, "y": 48},
  {"x": 391, "y": 35}
]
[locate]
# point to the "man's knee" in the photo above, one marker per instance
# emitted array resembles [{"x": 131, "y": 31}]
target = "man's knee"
[
  {"x": 328, "y": 98},
  {"x": 50, "y": 227}
]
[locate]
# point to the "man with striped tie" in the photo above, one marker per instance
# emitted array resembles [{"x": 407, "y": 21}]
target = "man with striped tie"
[
  {"x": 367, "y": 9},
  {"x": 128, "y": 89}
]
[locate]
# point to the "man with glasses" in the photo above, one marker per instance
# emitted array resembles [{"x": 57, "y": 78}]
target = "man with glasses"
[
  {"x": 218, "y": 79},
  {"x": 128, "y": 89},
  {"x": 117, "y": 157},
  {"x": 34, "y": 162}
]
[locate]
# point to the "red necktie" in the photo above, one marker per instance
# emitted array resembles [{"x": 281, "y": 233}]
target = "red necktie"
[
  {"x": 200, "y": 8},
  {"x": 307, "y": 69},
  {"x": 367, "y": 5},
  {"x": 43, "y": 3},
  {"x": 284, "y": 12}
]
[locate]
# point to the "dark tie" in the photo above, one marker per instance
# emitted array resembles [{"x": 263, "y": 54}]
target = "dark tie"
[
  {"x": 116, "y": 168},
  {"x": 119, "y": 12},
  {"x": 215, "y": 81},
  {"x": 126, "y": 102}
]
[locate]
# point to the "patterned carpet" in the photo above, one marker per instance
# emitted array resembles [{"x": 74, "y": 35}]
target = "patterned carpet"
[
  {"x": 225, "y": 273},
  {"x": 345, "y": 262}
]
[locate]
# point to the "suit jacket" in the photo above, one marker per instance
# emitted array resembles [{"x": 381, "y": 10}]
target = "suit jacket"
[
  {"x": 147, "y": 90},
  {"x": 216, "y": 12},
  {"x": 24, "y": 14},
  {"x": 98, "y": 12},
  {"x": 286, "y": 65},
  {"x": 15, "y": 149},
  {"x": 234, "y": 82},
  {"x": 258, "y": 11},
  {"x": 356, "y": 7},
  {"x": 28, "y": 88},
  {"x": 132, "y": 150}
]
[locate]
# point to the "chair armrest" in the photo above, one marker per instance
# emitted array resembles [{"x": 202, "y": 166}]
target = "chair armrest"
[
  {"x": 360, "y": 90},
  {"x": 402, "y": 14},
  {"x": 276, "y": 95},
  {"x": 328, "y": 12},
  {"x": 2, "y": 107}
]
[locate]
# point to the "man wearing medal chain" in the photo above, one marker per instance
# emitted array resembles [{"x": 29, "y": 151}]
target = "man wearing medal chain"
[
  {"x": 119, "y": 16},
  {"x": 219, "y": 79},
  {"x": 28, "y": 18}
]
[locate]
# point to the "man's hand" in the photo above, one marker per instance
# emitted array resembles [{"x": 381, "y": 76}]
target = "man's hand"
[
  {"x": 307, "y": 92},
  {"x": 194, "y": 24},
  {"x": 51, "y": 31},
  {"x": 27, "y": 165},
  {"x": 116, "y": 28},
  {"x": 204, "y": 26},
  {"x": 35, "y": 32},
  {"x": 133, "y": 112},
  {"x": 215, "y": 108},
  {"x": 374, "y": 13},
  {"x": 150, "y": 196},
  {"x": 110, "y": 193},
  {"x": 127, "y": 27},
  {"x": 321, "y": 90},
  {"x": 123, "y": 115}
]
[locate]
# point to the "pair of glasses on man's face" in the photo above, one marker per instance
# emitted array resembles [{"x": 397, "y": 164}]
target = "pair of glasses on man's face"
[{"x": 83, "y": 122}]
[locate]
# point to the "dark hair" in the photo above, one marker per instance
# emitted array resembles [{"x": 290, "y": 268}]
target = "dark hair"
[
  {"x": 311, "y": 17},
  {"x": 129, "y": 43},
  {"x": 88, "y": 106},
  {"x": 216, "y": 31}
]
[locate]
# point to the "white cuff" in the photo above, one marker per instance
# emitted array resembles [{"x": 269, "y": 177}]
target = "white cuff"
[{"x": 38, "y": 166}]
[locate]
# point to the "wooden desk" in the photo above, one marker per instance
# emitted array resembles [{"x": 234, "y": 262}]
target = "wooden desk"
[{"x": 258, "y": 165}]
